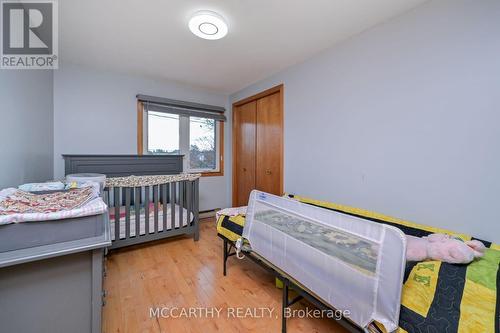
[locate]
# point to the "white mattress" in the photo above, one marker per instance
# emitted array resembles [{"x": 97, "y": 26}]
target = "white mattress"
[{"x": 142, "y": 222}]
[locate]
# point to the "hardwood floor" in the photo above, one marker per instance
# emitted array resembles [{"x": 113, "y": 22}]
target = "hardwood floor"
[{"x": 179, "y": 274}]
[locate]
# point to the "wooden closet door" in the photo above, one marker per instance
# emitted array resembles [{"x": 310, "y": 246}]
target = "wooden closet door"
[
  {"x": 269, "y": 144},
  {"x": 244, "y": 148}
]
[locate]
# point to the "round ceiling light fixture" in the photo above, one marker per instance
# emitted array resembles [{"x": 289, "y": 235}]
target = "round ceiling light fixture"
[{"x": 208, "y": 25}]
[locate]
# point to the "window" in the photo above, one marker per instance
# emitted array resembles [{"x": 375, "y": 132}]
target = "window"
[
  {"x": 200, "y": 140},
  {"x": 202, "y": 144}
]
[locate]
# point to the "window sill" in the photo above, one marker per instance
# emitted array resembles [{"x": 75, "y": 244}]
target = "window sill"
[{"x": 212, "y": 174}]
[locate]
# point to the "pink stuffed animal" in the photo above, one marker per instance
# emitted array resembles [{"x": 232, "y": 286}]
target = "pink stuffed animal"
[{"x": 444, "y": 248}]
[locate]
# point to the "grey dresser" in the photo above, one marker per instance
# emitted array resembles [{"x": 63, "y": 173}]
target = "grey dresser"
[{"x": 51, "y": 275}]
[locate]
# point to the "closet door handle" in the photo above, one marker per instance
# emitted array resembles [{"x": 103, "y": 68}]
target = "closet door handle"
[
  {"x": 268, "y": 172},
  {"x": 244, "y": 169}
]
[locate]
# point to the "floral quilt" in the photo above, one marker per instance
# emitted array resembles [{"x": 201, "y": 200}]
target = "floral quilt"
[{"x": 21, "y": 202}]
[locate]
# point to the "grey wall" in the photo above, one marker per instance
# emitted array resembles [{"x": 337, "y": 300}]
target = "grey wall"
[
  {"x": 95, "y": 113},
  {"x": 403, "y": 119},
  {"x": 26, "y": 126}
]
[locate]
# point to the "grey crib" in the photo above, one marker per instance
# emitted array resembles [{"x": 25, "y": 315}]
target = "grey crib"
[
  {"x": 147, "y": 213},
  {"x": 151, "y": 210}
]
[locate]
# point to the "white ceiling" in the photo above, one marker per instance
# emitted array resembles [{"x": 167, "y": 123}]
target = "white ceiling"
[{"x": 151, "y": 38}]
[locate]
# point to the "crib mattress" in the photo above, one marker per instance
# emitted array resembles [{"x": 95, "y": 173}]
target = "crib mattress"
[{"x": 142, "y": 221}]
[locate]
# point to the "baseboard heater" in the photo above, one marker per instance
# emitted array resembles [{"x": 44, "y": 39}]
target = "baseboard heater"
[{"x": 205, "y": 214}]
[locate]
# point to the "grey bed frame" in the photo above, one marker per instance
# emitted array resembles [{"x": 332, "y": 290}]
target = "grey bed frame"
[{"x": 182, "y": 194}]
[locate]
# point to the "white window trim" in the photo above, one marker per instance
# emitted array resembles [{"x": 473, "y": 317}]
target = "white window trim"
[{"x": 184, "y": 144}]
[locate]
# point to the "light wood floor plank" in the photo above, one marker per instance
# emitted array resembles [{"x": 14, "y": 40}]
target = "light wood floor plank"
[{"x": 182, "y": 273}]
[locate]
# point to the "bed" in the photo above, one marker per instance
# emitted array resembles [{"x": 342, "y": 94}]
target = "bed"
[
  {"x": 145, "y": 193},
  {"x": 436, "y": 297}
]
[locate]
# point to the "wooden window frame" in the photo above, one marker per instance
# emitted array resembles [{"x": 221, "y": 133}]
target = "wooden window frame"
[
  {"x": 220, "y": 172},
  {"x": 140, "y": 142}
]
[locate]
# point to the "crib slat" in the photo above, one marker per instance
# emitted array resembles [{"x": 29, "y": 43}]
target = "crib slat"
[
  {"x": 106, "y": 196},
  {"x": 189, "y": 201},
  {"x": 146, "y": 209},
  {"x": 164, "y": 191},
  {"x": 127, "y": 212},
  {"x": 172, "y": 205},
  {"x": 197, "y": 209},
  {"x": 155, "y": 199},
  {"x": 181, "y": 204},
  {"x": 117, "y": 212},
  {"x": 137, "y": 208}
]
